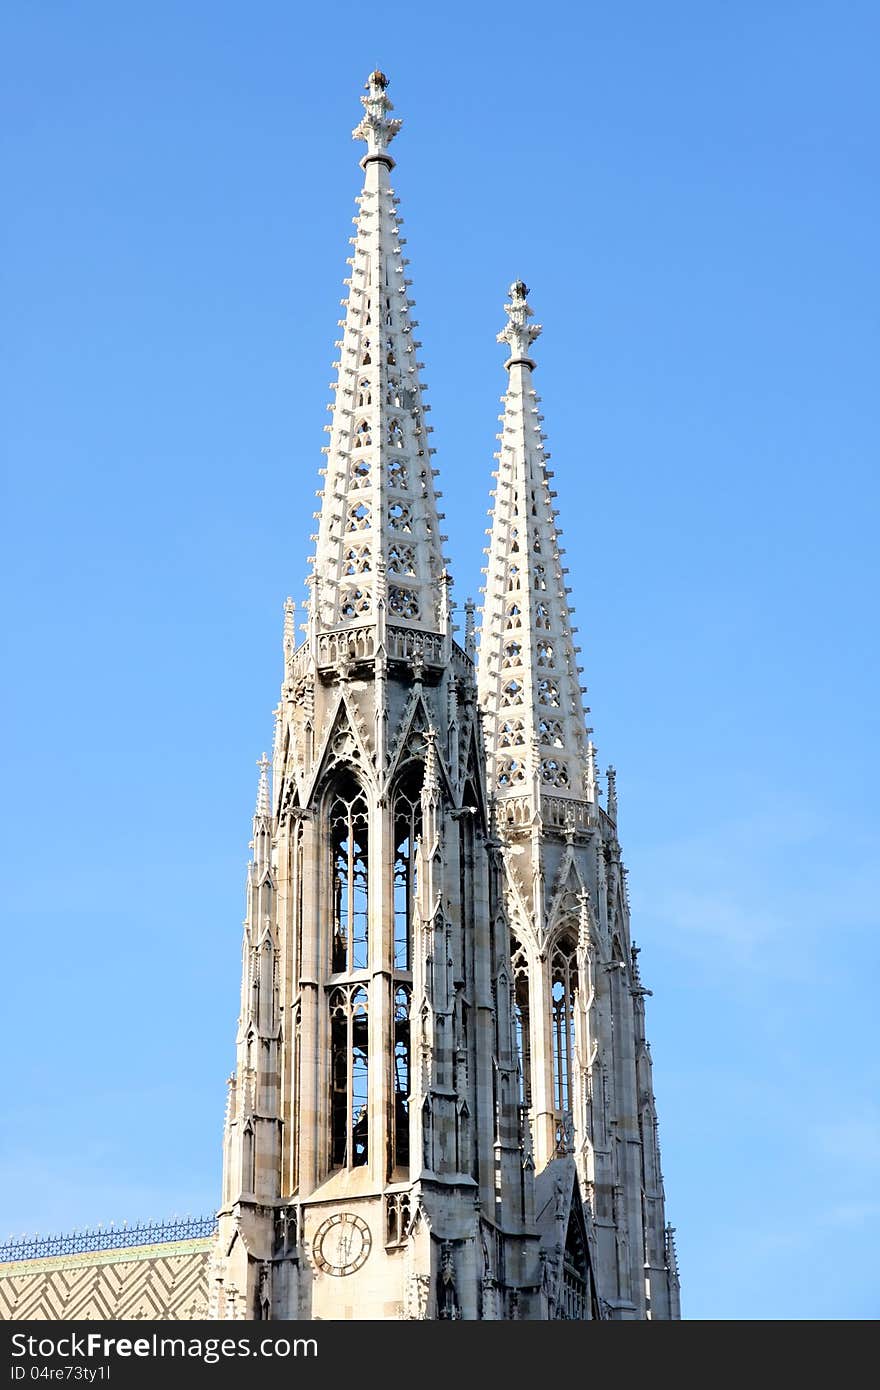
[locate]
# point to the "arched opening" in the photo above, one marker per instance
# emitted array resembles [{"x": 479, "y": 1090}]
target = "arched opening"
[
  {"x": 349, "y": 1077},
  {"x": 563, "y": 994},
  {"x": 349, "y": 870},
  {"x": 522, "y": 1019}
]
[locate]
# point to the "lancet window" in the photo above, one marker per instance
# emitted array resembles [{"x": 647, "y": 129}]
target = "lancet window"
[
  {"x": 350, "y": 858},
  {"x": 349, "y": 1077},
  {"x": 407, "y": 829},
  {"x": 563, "y": 994},
  {"x": 402, "y": 1081},
  {"x": 365, "y": 392}
]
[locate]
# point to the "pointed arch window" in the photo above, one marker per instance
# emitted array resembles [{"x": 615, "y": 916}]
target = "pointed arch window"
[
  {"x": 540, "y": 577},
  {"x": 365, "y": 391},
  {"x": 548, "y": 693},
  {"x": 563, "y": 994},
  {"x": 395, "y": 434},
  {"x": 349, "y": 1077},
  {"x": 514, "y": 616},
  {"x": 360, "y": 474},
  {"x": 407, "y": 830},
  {"x": 402, "y": 1080},
  {"x": 513, "y": 577},
  {"x": 574, "y": 1302},
  {"x": 542, "y": 615},
  {"x": 511, "y": 693},
  {"x": 350, "y": 859},
  {"x": 545, "y": 654},
  {"x": 363, "y": 435}
]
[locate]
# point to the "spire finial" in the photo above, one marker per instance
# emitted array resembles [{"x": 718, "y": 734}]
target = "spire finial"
[
  {"x": 263, "y": 805},
  {"x": 518, "y": 332},
  {"x": 375, "y": 126}
]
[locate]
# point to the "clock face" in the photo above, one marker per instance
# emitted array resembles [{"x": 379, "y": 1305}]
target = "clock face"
[{"x": 341, "y": 1244}]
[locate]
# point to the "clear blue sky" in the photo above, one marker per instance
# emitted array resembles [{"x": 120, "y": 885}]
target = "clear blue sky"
[{"x": 690, "y": 190}]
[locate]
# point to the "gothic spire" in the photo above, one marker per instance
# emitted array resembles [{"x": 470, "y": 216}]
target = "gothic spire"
[
  {"x": 379, "y": 510},
  {"x": 528, "y": 674}
]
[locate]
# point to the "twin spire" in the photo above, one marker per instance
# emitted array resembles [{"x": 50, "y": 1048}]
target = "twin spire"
[
  {"x": 379, "y": 549},
  {"x": 379, "y": 546}
]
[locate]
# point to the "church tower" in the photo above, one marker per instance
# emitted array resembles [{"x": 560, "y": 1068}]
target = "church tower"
[
  {"x": 375, "y": 1163},
  {"x": 585, "y": 1073},
  {"x": 442, "y": 1104}
]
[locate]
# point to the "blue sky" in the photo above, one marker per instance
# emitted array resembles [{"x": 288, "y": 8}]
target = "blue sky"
[{"x": 690, "y": 190}]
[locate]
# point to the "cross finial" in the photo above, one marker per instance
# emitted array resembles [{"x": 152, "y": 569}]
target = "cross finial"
[
  {"x": 518, "y": 332},
  {"x": 375, "y": 126}
]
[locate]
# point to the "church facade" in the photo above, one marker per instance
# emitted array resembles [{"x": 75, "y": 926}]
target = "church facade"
[{"x": 442, "y": 1105}]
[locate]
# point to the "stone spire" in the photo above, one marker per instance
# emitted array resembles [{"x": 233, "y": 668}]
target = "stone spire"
[
  {"x": 536, "y": 737},
  {"x": 379, "y": 504}
]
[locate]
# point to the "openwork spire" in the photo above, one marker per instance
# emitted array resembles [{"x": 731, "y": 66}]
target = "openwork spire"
[
  {"x": 379, "y": 545},
  {"x": 528, "y": 682}
]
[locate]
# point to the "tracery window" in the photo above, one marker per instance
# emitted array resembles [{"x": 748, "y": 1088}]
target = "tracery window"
[
  {"x": 510, "y": 733},
  {"x": 514, "y": 616},
  {"x": 363, "y": 436},
  {"x": 358, "y": 517},
  {"x": 545, "y": 654},
  {"x": 400, "y": 516},
  {"x": 510, "y": 772},
  {"x": 349, "y": 1077},
  {"x": 548, "y": 693},
  {"x": 365, "y": 392},
  {"x": 512, "y": 654},
  {"x": 513, "y": 577},
  {"x": 356, "y": 560},
  {"x": 511, "y": 693},
  {"x": 550, "y": 732},
  {"x": 401, "y": 559},
  {"x": 354, "y": 602},
  {"x": 360, "y": 474},
  {"x": 397, "y": 474},
  {"x": 403, "y": 603},
  {"x": 395, "y": 434},
  {"x": 350, "y": 860},
  {"x": 542, "y": 615},
  {"x": 554, "y": 772},
  {"x": 540, "y": 577},
  {"x": 514, "y": 541},
  {"x": 563, "y": 990}
]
